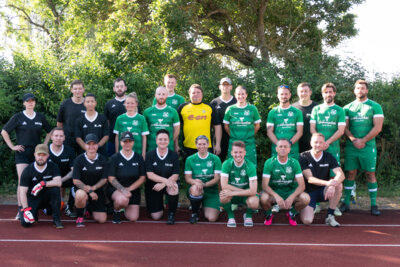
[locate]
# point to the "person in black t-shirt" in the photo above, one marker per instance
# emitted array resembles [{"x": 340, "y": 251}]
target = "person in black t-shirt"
[
  {"x": 89, "y": 176},
  {"x": 40, "y": 188},
  {"x": 126, "y": 173},
  {"x": 28, "y": 126},
  {"x": 69, "y": 111},
  {"x": 113, "y": 109},
  {"x": 162, "y": 168},
  {"x": 220, "y": 105},
  {"x": 316, "y": 165},
  {"x": 92, "y": 122},
  {"x": 63, "y": 156}
]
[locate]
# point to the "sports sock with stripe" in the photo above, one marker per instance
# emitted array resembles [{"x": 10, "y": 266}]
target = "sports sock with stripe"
[
  {"x": 373, "y": 192},
  {"x": 348, "y": 186},
  {"x": 249, "y": 213},
  {"x": 228, "y": 208}
]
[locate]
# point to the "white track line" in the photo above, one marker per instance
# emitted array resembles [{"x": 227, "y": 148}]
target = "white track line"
[{"x": 192, "y": 243}]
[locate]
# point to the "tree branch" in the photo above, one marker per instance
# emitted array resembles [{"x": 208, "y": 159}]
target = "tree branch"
[
  {"x": 262, "y": 43},
  {"x": 29, "y": 19}
]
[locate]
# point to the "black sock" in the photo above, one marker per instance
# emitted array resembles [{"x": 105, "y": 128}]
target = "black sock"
[
  {"x": 330, "y": 212},
  {"x": 172, "y": 203},
  {"x": 195, "y": 205},
  {"x": 79, "y": 212}
]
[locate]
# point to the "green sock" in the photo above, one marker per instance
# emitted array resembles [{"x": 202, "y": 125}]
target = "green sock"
[
  {"x": 268, "y": 212},
  {"x": 373, "y": 191},
  {"x": 293, "y": 211},
  {"x": 228, "y": 208},
  {"x": 348, "y": 186},
  {"x": 249, "y": 213}
]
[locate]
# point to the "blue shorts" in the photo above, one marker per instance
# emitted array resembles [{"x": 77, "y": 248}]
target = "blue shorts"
[{"x": 316, "y": 196}]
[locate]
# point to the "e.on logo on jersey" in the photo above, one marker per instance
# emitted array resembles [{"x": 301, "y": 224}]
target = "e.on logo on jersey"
[{"x": 197, "y": 118}]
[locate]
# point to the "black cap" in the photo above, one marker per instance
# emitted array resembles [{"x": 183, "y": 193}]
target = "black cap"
[
  {"x": 91, "y": 138},
  {"x": 126, "y": 136},
  {"x": 29, "y": 96}
]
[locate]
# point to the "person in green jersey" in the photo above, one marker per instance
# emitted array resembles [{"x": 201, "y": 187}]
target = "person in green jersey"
[
  {"x": 283, "y": 184},
  {"x": 174, "y": 100},
  {"x": 133, "y": 122},
  {"x": 202, "y": 173},
  {"x": 364, "y": 120},
  {"x": 239, "y": 185},
  {"x": 285, "y": 122},
  {"x": 242, "y": 122},
  {"x": 162, "y": 116}
]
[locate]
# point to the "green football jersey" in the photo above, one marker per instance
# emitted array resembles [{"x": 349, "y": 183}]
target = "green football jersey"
[
  {"x": 361, "y": 118},
  {"x": 239, "y": 176},
  {"x": 136, "y": 125},
  {"x": 241, "y": 122},
  {"x": 327, "y": 119},
  {"x": 173, "y": 101},
  {"x": 157, "y": 119},
  {"x": 282, "y": 175},
  {"x": 203, "y": 169}
]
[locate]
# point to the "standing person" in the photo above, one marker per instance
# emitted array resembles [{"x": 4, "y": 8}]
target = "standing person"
[
  {"x": 89, "y": 177},
  {"x": 126, "y": 173},
  {"x": 40, "y": 189},
  {"x": 162, "y": 116},
  {"x": 28, "y": 126},
  {"x": 283, "y": 184},
  {"x": 364, "y": 120},
  {"x": 239, "y": 185},
  {"x": 63, "y": 156},
  {"x": 173, "y": 100},
  {"x": 197, "y": 118},
  {"x": 69, "y": 111},
  {"x": 162, "y": 168},
  {"x": 92, "y": 122},
  {"x": 133, "y": 122},
  {"x": 305, "y": 105},
  {"x": 285, "y": 122},
  {"x": 317, "y": 165},
  {"x": 242, "y": 122},
  {"x": 113, "y": 109},
  {"x": 220, "y": 105},
  {"x": 202, "y": 173}
]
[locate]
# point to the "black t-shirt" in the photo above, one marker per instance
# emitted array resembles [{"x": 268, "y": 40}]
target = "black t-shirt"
[
  {"x": 126, "y": 170},
  {"x": 64, "y": 159},
  {"x": 319, "y": 169},
  {"x": 164, "y": 167},
  {"x": 67, "y": 114},
  {"x": 304, "y": 142},
  {"x": 31, "y": 176},
  {"x": 112, "y": 110},
  {"x": 90, "y": 172},
  {"x": 28, "y": 130}
]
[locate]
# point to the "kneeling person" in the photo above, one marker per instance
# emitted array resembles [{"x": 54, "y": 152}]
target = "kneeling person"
[
  {"x": 202, "y": 173},
  {"x": 317, "y": 165},
  {"x": 40, "y": 188},
  {"x": 283, "y": 184},
  {"x": 126, "y": 173},
  {"x": 89, "y": 177},
  {"x": 239, "y": 184}
]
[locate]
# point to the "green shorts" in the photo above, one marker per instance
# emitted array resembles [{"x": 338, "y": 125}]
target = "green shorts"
[
  {"x": 335, "y": 151},
  {"x": 239, "y": 200},
  {"x": 285, "y": 193},
  {"x": 360, "y": 159},
  {"x": 210, "y": 198}
]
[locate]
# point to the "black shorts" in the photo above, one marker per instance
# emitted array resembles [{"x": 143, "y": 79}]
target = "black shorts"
[
  {"x": 317, "y": 196},
  {"x": 26, "y": 156},
  {"x": 98, "y": 205},
  {"x": 154, "y": 199},
  {"x": 133, "y": 200},
  {"x": 67, "y": 184}
]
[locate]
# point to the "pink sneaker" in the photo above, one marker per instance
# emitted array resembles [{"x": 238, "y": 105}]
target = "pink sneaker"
[
  {"x": 268, "y": 219},
  {"x": 292, "y": 219}
]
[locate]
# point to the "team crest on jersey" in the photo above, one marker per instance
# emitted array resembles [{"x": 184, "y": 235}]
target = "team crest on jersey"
[
  {"x": 333, "y": 111},
  {"x": 242, "y": 172},
  {"x": 247, "y": 112},
  {"x": 209, "y": 164},
  {"x": 165, "y": 114},
  {"x": 174, "y": 101},
  {"x": 289, "y": 169},
  {"x": 290, "y": 114},
  {"x": 135, "y": 123},
  {"x": 203, "y": 111}
]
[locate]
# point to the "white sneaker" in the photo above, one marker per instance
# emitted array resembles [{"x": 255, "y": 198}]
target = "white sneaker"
[
  {"x": 330, "y": 220},
  {"x": 337, "y": 212},
  {"x": 317, "y": 209},
  {"x": 231, "y": 223},
  {"x": 247, "y": 222},
  {"x": 275, "y": 208}
]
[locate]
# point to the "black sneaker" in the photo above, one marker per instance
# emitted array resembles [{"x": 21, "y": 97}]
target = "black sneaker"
[
  {"x": 68, "y": 211},
  {"x": 58, "y": 225},
  {"x": 194, "y": 218},
  {"x": 344, "y": 207},
  {"x": 375, "y": 211},
  {"x": 80, "y": 222},
  {"x": 171, "y": 218},
  {"x": 116, "y": 217}
]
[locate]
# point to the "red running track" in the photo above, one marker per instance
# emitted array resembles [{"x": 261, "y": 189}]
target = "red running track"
[{"x": 363, "y": 240}]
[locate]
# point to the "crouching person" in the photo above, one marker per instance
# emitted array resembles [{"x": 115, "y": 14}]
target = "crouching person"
[{"x": 40, "y": 189}]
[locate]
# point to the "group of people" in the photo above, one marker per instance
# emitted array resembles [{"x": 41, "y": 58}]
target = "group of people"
[{"x": 106, "y": 158}]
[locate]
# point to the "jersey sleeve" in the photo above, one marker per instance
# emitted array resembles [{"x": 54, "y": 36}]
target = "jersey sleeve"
[
  {"x": 61, "y": 113},
  {"x": 78, "y": 128},
  {"x": 142, "y": 167},
  {"x": 341, "y": 117},
  {"x": 378, "y": 111},
  {"x": 257, "y": 118},
  {"x": 175, "y": 163},
  {"x": 106, "y": 128},
  {"x": 297, "y": 169},
  {"x": 112, "y": 166},
  {"x": 303, "y": 162},
  {"x": 214, "y": 116},
  {"x": 227, "y": 115},
  {"x": 270, "y": 118},
  {"x": 56, "y": 170},
  {"x": 217, "y": 164},
  {"x": 175, "y": 118},
  {"x": 251, "y": 171},
  {"x": 104, "y": 173},
  {"x": 225, "y": 168},
  {"x": 267, "y": 169},
  {"x": 45, "y": 123},
  {"x": 313, "y": 118},
  {"x": 148, "y": 162},
  {"x": 11, "y": 124},
  {"x": 145, "y": 129},
  {"x": 300, "y": 120},
  {"x": 332, "y": 161},
  {"x": 25, "y": 177},
  {"x": 76, "y": 174},
  {"x": 117, "y": 125},
  {"x": 188, "y": 165}
]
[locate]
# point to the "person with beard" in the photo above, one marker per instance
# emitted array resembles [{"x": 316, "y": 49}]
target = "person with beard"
[
  {"x": 285, "y": 122},
  {"x": 113, "y": 109},
  {"x": 173, "y": 100},
  {"x": 40, "y": 189},
  {"x": 162, "y": 116}
]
